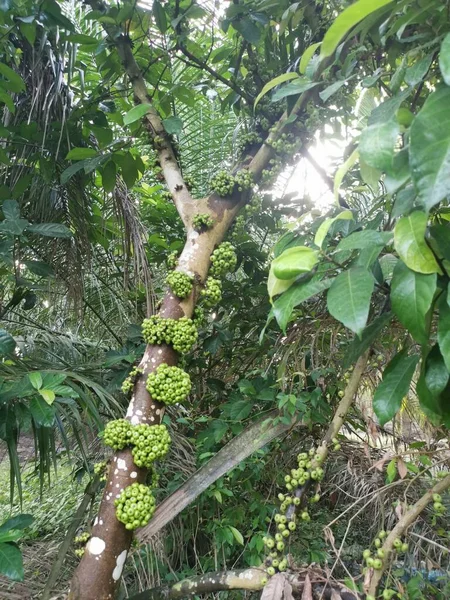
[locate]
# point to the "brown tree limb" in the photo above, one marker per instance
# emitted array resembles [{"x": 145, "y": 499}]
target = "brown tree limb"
[
  {"x": 243, "y": 445},
  {"x": 251, "y": 579},
  {"x": 399, "y": 530}
]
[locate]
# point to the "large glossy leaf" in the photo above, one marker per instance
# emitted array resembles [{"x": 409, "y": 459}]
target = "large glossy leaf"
[
  {"x": 43, "y": 414},
  {"x": 56, "y": 230},
  {"x": 444, "y": 59},
  {"x": 294, "y": 261},
  {"x": 411, "y": 297},
  {"x": 136, "y": 113},
  {"x": 160, "y": 16},
  {"x": 395, "y": 385},
  {"x": 18, "y": 522},
  {"x": 325, "y": 226},
  {"x": 273, "y": 83},
  {"x": 346, "y": 20},
  {"x": 295, "y": 295},
  {"x": 348, "y": 298},
  {"x": 277, "y": 286},
  {"x": 11, "y": 564},
  {"x": 409, "y": 241},
  {"x": 444, "y": 329},
  {"x": 364, "y": 239},
  {"x": 306, "y": 57},
  {"x": 81, "y": 153},
  {"x": 294, "y": 88},
  {"x": 436, "y": 372},
  {"x": 377, "y": 144},
  {"x": 7, "y": 343},
  {"x": 429, "y": 148}
]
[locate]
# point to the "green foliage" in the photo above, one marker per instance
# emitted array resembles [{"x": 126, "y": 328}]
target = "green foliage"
[{"x": 11, "y": 563}]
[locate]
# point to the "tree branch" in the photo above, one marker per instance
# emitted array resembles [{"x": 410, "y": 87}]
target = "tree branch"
[
  {"x": 251, "y": 579},
  {"x": 400, "y": 529}
]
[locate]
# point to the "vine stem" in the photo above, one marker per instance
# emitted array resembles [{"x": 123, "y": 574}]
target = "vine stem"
[{"x": 399, "y": 530}]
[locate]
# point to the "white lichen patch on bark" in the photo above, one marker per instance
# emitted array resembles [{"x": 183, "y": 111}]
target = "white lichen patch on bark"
[
  {"x": 121, "y": 464},
  {"x": 133, "y": 474},
  {"x": 120, "y": 561},
  {"x": 95, "y": 546}
]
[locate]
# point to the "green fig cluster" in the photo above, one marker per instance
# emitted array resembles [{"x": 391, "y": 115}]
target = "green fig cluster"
[
  {"x": 199, "y": 316},
  {"x": 135, "y": 506},
  {"x": 212, "y": 292},
  {"x": 100, "y": 469},
  {"x": 202, "y": 221},
  {"x": 150, "y": 443},
  {"x": 309, "y": 467},
  {"x": 129, "y": 382},
  {"x": 117, "y": 434},
  {"x": 169, "y": 385},
  {"x": 180, "y": 333},
  {"x": 249, "y": 139},
  {"x": 253, "y": 207},
  {"x": 374, "y": 558},
  {"x": 438, "y": 507},
  {"x": 223, "y": 260},
  {"x": 223, "y": 184},
  {"x": 180, "y": 283},
  {"x": 81, "y": 540},
  {"x": 244, "y": 180},
  {"x": 336, "y": 445},
  {"x": 172, "y": 260}
]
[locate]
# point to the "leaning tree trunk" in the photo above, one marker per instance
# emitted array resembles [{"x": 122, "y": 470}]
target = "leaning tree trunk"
[{"x": 100, "y": 569}]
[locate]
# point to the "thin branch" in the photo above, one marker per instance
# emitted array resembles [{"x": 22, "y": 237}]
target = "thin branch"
[{"x": 399, "y": 530}]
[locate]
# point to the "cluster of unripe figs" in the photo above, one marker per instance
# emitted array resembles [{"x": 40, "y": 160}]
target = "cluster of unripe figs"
[{"x": 225, "y": 183}]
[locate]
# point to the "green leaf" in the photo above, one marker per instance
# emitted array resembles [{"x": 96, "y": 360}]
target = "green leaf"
[
  {"x": 81, "y": 153},
  {"x": 306, "y": 57},
  {"x": 300, "y": 85},
  {"x": 11, "y": 210},
  {"x": 14, "y": 82},
  {"x": 48, "y": 395},
  {"x": 364, "y": 239},
  {"x": 35, "y": 379},
  {"x": 409, "y": 241},
  {"x": 18, "y": 522},
  {"x": 237, "y": 535},
  {"x": 248, "y": 29},
  {"x": 389, "y": 394},
  {"x": 444, "y": 59},
  {"x": 436, "y": 373},
  {"x": 441, "y": 234},
  {"x": 13, "y": 227},
  {"x": 348, "y": 298},
  {"x": 369, "y": 335},
  {"x": 295, "y": 295},
  {"x": 391, "y": 470},
  {"x": 109, "y": 173},
  {"x": 136, "y": 113},
  {"x": 294, "y": 261},
  {"x": 7, "y": 343},
  {"x": 173, "y": 125},
  {"x": 43, "y": 414},
  {"x": 411, "y": 297},
  {"x": 429, "y": 148},
  {"x": 273, "y": 83},
  {"x": 444, "y": 330},
  {"x": 277, "y": 286},
  {"x": 39, "y": 268},
  {"x": 348, "y": 18},
  {"x": 55, "y": 230},
  {"x": 160, "y": 16},
  {"x": 377, "y": 144},
  {"x": 11, "y": 563},
  {"x": 331, "y": 89},
  {"x": 325, "y": 226}
]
